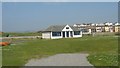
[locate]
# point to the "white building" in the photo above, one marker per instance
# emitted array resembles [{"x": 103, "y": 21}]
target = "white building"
[
  {"x": 108, "y": 23},
  {"x": 99, "y": 29},
  {"x": 66, "y": 31},
  {"x": 117, "y": 24},
  {"x": 86, "y": 31}
]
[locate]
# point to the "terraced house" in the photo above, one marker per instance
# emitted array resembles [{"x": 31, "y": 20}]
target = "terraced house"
[{"x": 64, "y": 31}]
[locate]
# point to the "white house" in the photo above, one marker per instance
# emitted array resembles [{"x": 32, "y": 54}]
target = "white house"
[
  {"x": 86, "y": 31},
  {"x": 108, "y": 23},
  {"x": 65, "y": 31},
  {"x": 99, "y": 29}
]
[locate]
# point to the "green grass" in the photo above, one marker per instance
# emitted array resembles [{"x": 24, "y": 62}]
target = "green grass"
[
  {"x": 0, "y": 56},
  {"x": 103, "y": 50},
  {"x": 104, "y": 59}
]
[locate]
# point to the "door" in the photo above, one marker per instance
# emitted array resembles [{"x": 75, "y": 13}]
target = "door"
[
  {"x": 63, "y": 33},
  {"x": 67, "y": 33}
]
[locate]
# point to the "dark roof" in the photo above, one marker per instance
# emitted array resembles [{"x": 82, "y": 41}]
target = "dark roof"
[
  {"x": 75, "y": 28},
  {"x": 59, "y": 28}
]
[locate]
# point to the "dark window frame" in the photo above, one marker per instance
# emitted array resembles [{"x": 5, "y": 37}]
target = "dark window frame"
[
  {"x": 56, "y": 34},
  {"x": 76, "y": 32},
  {"x": 67, "y": 27}
]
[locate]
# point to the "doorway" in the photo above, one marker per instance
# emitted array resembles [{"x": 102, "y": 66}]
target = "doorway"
[
  {"x": 67, "y": 33},
  {"x": 71, "y": 34},
  {"x": 63, "y": 34}
]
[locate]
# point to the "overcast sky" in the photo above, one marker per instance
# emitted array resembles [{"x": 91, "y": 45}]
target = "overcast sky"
[
  {"x": 60, "y": 0},
  {"x": 35, "y": 16},
  {"x": 0, "y": 16}
]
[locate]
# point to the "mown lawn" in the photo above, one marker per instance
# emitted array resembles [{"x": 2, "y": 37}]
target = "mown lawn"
[
  {"x": 103, "y": 50},
  {"x": 0, "y": 56}
]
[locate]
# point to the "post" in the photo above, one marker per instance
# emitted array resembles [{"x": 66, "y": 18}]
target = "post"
[
  {"x": 65, "y": 34},
  {"x": 73, "y": 33},
  {"x": 69, "y": 34}
]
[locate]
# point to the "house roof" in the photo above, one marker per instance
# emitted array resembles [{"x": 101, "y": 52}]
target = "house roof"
[
  {"x": 59, "y": 28},
  {"x": 75, "y": 28}
]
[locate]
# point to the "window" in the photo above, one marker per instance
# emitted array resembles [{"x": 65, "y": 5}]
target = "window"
[
  {"x": 76, "y": 32},
  {"x": 85, "y": 30},
  {"x": 67, "y": 27},
  {"x": 56, "y": 33}
]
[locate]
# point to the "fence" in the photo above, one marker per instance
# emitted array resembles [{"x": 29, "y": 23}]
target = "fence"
[{"x": 104, "y": 34}]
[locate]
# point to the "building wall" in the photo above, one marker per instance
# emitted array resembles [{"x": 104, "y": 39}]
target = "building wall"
[
  {"x": 56, "y": 37},
  {"x": 46, "y": 35},
  {"x": 117, "y": 28},
  {"x": 98, "y": 29},
  {"x": 87, "y": 31},
  {"x": 106, "y": 28},
  {"x": 76, "y": 36},
  {"x": 109, "y": 29},
  {"x": 64, "y": 29}
]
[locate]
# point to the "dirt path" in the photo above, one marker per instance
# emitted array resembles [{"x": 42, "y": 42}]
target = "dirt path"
[{"x": 61, "y": 60}]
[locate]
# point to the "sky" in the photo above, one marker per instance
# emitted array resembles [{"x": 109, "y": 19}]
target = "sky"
[
  {"x": 35, "y": 16},
  {"x": 60, "y": 0},
  {"x": 0, "y": 16}
]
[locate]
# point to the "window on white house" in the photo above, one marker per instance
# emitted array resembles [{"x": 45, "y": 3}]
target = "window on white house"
[
  {"x": 76, "y": 32},
  {"x": 56, "y": 33},
  {"x": 67, "y": 27}
]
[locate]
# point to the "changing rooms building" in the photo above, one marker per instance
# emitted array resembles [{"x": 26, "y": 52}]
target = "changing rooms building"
[{"x": 65, "y": 31}]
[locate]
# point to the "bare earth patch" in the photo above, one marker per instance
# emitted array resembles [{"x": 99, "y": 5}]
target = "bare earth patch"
[{"x": 61, "y": 60}]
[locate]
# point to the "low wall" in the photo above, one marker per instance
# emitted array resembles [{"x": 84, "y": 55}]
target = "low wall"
[{"x": 104, "y": 34}]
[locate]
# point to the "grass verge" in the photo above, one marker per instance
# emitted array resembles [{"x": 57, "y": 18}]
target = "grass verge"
[{"x": 103, "y": 50}]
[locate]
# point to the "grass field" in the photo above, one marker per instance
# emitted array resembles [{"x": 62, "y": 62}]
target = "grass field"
[
  {"x": 22, "y": 34},
  {"x": 103, "y": 50},
  {"x": 0, "y": 56}
]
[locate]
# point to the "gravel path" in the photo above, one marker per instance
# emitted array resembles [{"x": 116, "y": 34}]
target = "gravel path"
[{"x": 61, "y": 60}]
